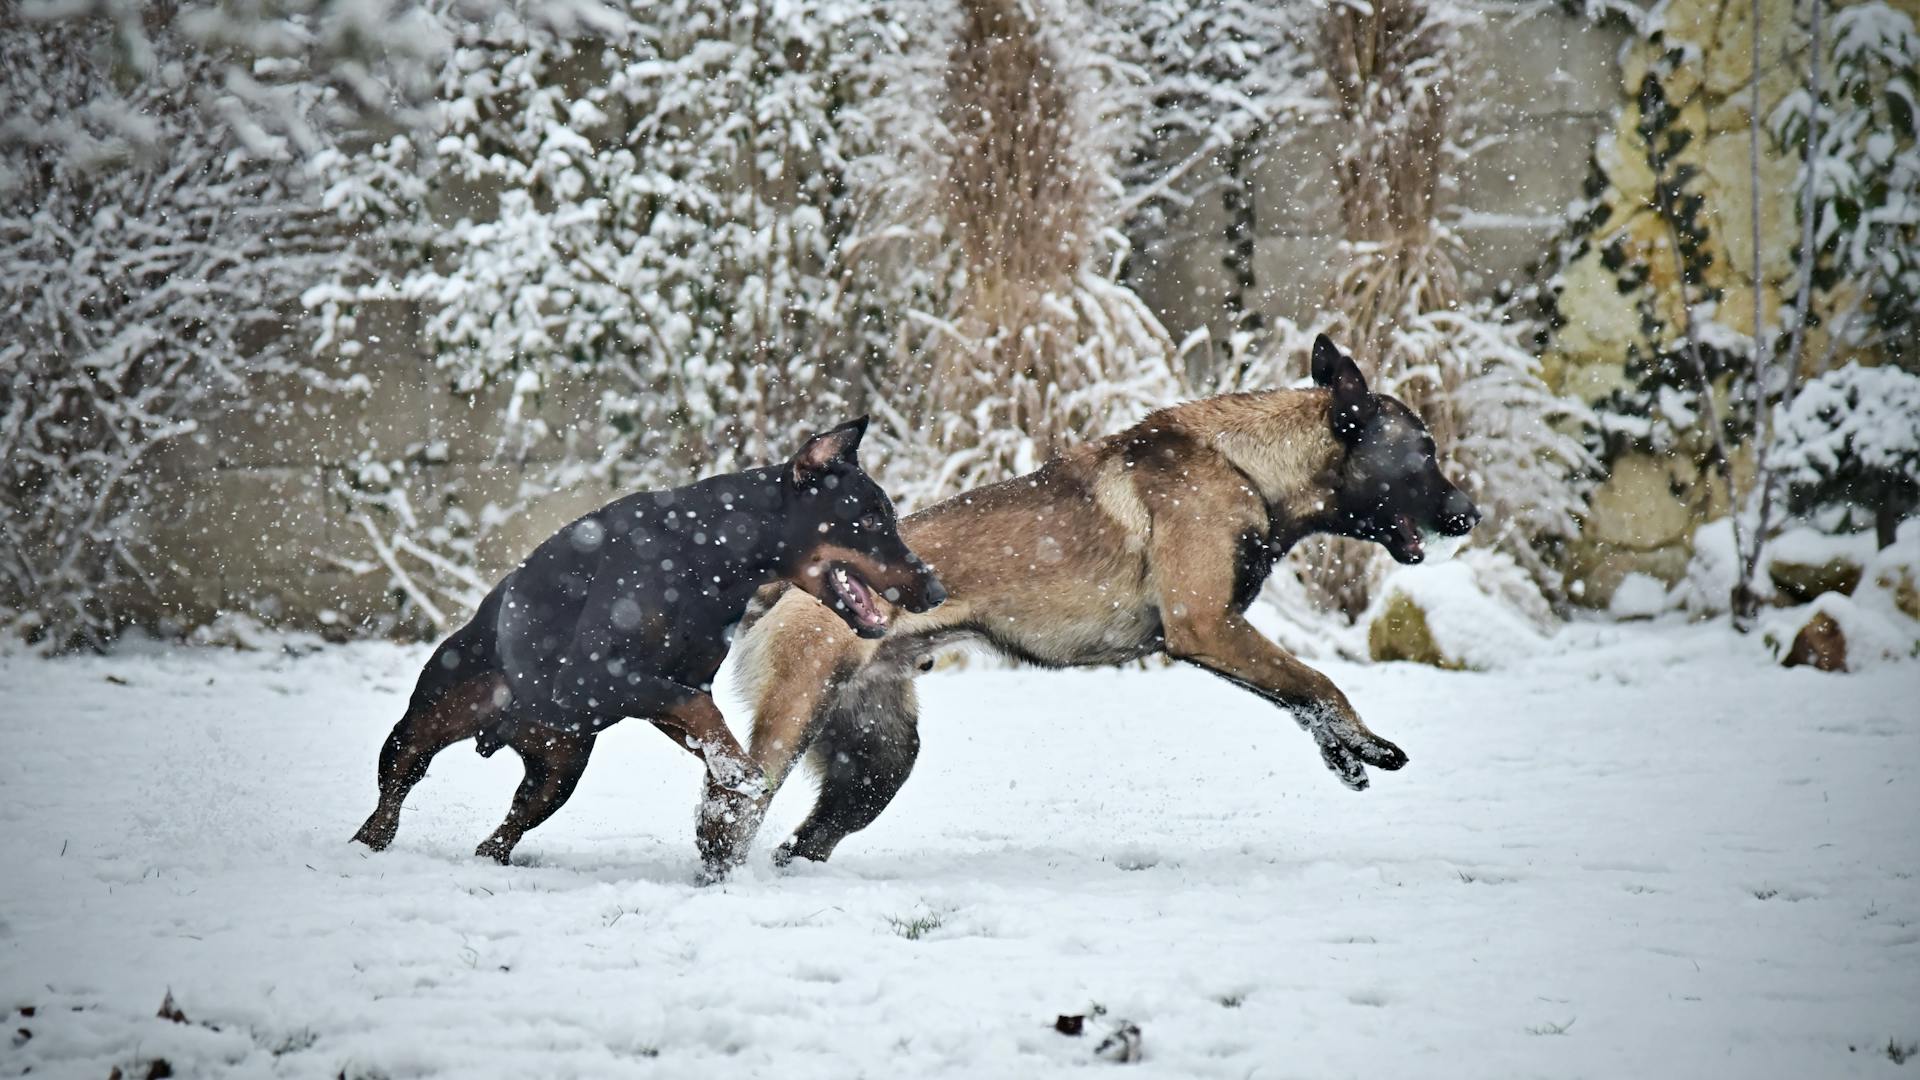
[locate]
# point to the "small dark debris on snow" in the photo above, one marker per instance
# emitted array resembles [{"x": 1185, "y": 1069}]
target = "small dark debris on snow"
[
  {"x": 1122, "y": 1046},
  {"x": 118, "y": 681},
  {"x": 171, "y": 1011},
  {"x": 1900, "y": 1053}
]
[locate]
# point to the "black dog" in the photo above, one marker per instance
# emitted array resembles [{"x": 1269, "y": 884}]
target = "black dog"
[{"x": 629, "y": 610}]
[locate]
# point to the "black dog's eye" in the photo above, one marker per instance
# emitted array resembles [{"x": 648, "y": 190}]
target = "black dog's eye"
[{"x": 870, "y": 523}]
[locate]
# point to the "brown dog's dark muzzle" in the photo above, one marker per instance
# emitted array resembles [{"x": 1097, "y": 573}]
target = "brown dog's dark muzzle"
[{"x": 1458, "y": 515}]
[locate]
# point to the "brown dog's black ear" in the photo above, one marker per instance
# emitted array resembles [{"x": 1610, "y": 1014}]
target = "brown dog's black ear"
[
  {"x": 1326, "y": 358},
  {"x": 826, "y": 448},
  {"x": 1353, "y": 403}
]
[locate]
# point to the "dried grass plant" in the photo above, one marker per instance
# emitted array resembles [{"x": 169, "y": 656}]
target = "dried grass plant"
[{"x": 1007, "y": 181}]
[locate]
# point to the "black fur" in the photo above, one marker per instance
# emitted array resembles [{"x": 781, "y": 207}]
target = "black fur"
[{"x": 627, "y": 611}]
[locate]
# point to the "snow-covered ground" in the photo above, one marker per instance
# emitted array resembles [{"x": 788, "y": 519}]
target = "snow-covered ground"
[{"x": 1649, "y": 853}]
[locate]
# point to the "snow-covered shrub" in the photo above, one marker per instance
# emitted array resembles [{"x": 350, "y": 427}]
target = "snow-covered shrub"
[
  {"x": 142, "y": 291},
  {"x": 994, "y": 223},
  {"x": 1852, "y": 438}
]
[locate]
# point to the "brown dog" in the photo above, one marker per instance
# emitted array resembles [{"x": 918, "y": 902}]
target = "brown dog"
[{"x": 1154, "y": 540}]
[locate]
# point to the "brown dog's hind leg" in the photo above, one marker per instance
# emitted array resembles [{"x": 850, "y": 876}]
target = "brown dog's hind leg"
[
  {"x": 554, "y": 761},
  {"x": 422, "y": 733},
  {"x": 863, "y": 753}
]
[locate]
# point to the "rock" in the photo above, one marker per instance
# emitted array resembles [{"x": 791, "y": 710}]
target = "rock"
[
  {"x": 1601, "y": 321},
  {"x": 1906, "y": 596},
  {"x": 1726, "y": 177},
  {"x": 1636, "y": 508},
  {"x": 1400, "y": 632},
  {"x": 1460, "y": 615},
  {"x": 1801, "y": 582},
  {"x": 1819, "y": 645}
]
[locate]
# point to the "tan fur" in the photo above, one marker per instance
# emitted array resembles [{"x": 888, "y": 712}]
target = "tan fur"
[{"x": 1118, "y": 549}]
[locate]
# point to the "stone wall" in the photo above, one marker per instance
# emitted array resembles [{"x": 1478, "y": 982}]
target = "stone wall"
[
  {"x": 254, "y": 521},
  {"x": 1644, "y": 517},
  {"x": 1553, "y": 97}
]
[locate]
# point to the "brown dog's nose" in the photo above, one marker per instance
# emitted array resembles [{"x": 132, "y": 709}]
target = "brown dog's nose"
[{"x": 1458, "y": 515}]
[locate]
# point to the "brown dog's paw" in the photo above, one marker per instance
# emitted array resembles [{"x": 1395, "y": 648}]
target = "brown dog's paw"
[
  {"x": 1381, "y": 754},
  {"x": 1344, "y": 764}
]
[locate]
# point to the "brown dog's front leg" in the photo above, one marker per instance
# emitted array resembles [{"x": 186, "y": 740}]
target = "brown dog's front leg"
[
  {"x": 737, "y": 793},
  {"x": 1229, "y": 646}
]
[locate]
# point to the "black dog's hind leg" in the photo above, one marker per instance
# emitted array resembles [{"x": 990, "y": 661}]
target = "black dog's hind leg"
[
  {"x": 863, "y": 750},
  {"x": 423, "y": 732},
  {"x": 554, "y": 761}
]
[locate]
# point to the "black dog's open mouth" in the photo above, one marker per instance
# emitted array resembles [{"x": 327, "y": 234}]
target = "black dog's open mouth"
[{"x": 854, "y": 598}]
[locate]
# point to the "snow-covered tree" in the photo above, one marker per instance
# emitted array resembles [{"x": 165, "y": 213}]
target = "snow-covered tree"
[
  {"x": 1857, "y": 128},
  {"x": 652, "y": 212},
  {"x": 1850, "y": 440},
  {"x": 282, "y": 75},
  {"x": 995, "y": 204},
  {"x": 141, "y": 292}
]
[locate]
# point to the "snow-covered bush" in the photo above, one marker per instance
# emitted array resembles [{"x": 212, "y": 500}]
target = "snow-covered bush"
[
  {"x": 1851, "y": 439},
  {"x": 142, "y": 291}
]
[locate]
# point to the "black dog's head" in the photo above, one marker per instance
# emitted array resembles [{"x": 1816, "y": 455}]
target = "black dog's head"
[
  {"x": 1390, "y": 490},
  {"x": 848, "y": 540}
]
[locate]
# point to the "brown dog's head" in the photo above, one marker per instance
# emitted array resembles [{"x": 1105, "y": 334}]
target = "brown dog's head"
[
  {"x": 1390, "y": 489},
  {"x": 848, "y": 540}
]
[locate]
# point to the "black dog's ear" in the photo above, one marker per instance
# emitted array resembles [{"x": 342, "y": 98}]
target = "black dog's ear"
[
  {"x": 826, "y": 448},
  {"x": 1353, "y": 403}
]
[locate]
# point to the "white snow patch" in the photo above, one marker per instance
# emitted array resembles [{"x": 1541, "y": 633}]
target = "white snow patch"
[{"x": 1638, "y": 596}]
